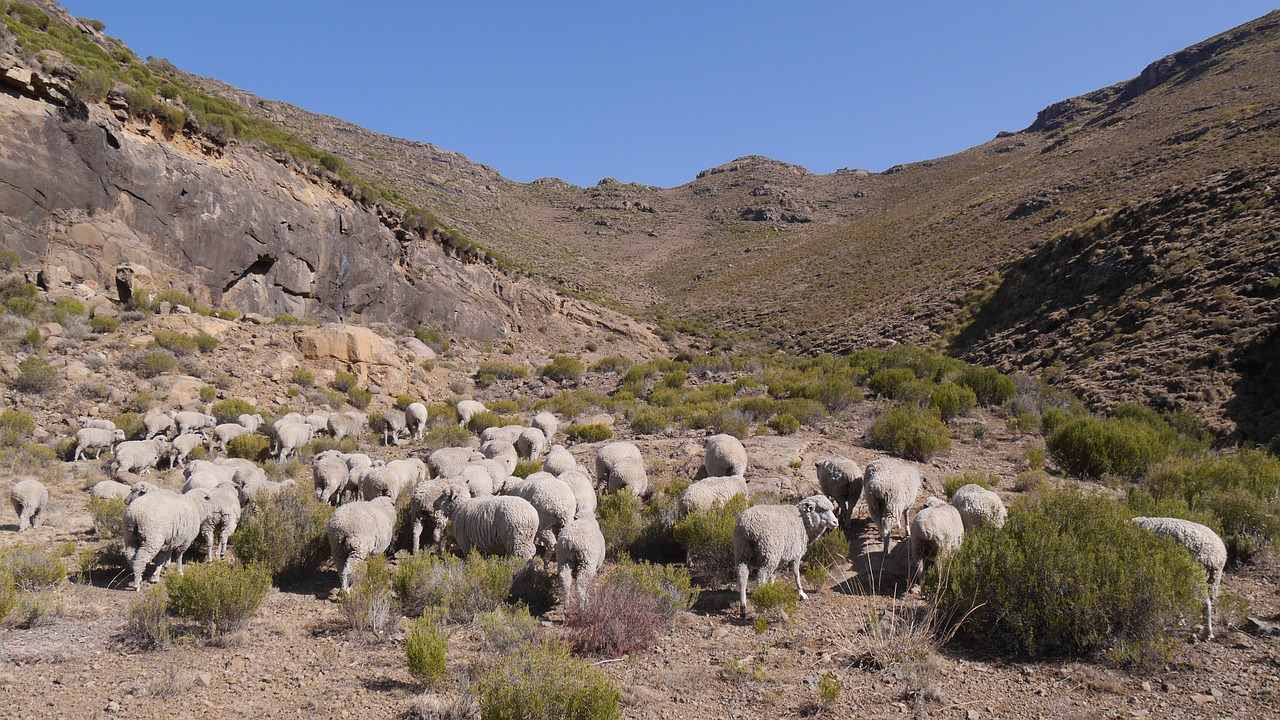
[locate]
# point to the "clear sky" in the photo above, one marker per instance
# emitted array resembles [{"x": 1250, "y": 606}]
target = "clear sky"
[{"x": 653, "y": 92}]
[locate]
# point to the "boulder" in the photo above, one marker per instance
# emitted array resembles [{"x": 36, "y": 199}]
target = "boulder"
[{"x": 347, "y": 344}]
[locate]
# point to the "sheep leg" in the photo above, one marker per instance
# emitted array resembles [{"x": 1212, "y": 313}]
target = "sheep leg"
[
  {"x": 24, "y": 519},
  {"x": 417, "y": 532},
  {"x": 744, "y": 575},
  {"x": 795, "y": 567},
  {"x": 208, "y": 543},
  {"x": 228, "y": 527},
  {"x": 141, "y": 557},
  {"x": 162, "y": 559},
  {"x": 37, "y": 518},
  {"x": 566, "y": 582},
  {"x": 1208, "y": 616},
  {"x": 79, "y": 454}
]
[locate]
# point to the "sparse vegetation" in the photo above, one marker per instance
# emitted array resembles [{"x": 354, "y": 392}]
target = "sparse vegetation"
[
  {"x": 219, "y": 596},
  {"x": 286, "y": 534}
]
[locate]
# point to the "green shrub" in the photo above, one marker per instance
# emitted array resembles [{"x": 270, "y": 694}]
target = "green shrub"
[
  {"x": 31, "y": 339},
  {"x": 303, "y": 377},
  {"x": 671, "y": 585},
  {"x": 460, "y": 589},
  {"x": 21, "y": 306},
  {"x": 249, "y": 447},
  {"x": 955, "y": 482},
  {"x": 219, "y": 596},
  {"x": 952, "y": 400},
  {"x": 426, "y": 646},
  {"x": 650, "y": 421},
  {"x": 9, "y": 260},
  {"x": 370, "y": 604},
  {"x": 33, "y": 568},
  {"x": 622, "y": 520},
  {"x": 15, "y": 426},
  {"x": 403, "y": 401},
  {"x": 36, "y": 376},
  {"x": 131, "y": 424},
  {"x": 484, "y": 420},
  {"x": 707, "y": 537},
  {"x": 1069, "y": 575},
  {"x": 500, "y": 371},
  {"x": 784, "y": 424},
  {"x": 8, "y": 594},
  {"x": 776, "y": 601},
  {"x": 543, "y": 681},
  {"x": 103, "y": 324},
  {"x": 808, "y": 412},
  {"x": 1126, "y": 447},
  {"x": 36, "y": 609},
  {"x": 888, "y": 382},
  {"x": 433, "y": 339},
  {"x": 108, "y": 517},
  {"x": 175, "y": 342},
  {"x": 563, "y": 369},
  {"x": 147, "y": 625},
  {"x": 343, "y": 381},
  {"x": 154, "y": 363},
  {"x": 988, "y": 386},
  {"x": 285, "y": 534},
  {"x": 506, "y": 627},
  {"x": 588, "y": 433},
  {"x": 359, "y": 398},
  {"x": 909, "y": 432},
  {"x": 612, "y": 364},
  {"x": 446, "y": 436},
  {"x": 226, "y": 411}
]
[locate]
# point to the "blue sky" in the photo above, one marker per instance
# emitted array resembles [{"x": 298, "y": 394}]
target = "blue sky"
[{"x": 654, "y": 92}]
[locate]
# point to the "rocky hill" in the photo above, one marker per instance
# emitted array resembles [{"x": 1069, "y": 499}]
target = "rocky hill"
[{"x": 1123, "y": 244}]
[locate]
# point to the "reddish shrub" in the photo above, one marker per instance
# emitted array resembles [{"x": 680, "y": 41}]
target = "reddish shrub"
[{"x": 615, "y": 619}]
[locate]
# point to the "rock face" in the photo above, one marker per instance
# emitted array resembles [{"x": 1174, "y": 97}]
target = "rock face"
[{"x": 346, "y": 344}]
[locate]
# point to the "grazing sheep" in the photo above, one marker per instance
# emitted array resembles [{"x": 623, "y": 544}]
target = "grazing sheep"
[
  {"x": 207, "y": 480},
  {"x": 96, "y": 439},
  {"x": 182, "y": 446},
  {"x": 219, "y": 469},
  {"x": 554, "y": 501},
  {"x": 506, "y": 434},
  {"x": 291, "y": 417},
  {"x": 890, "y": 487},
  {"x": 393, "y": 423},
  {"x": 224, "y": 516},
  {"x": 479, "y": 480},
  {"x": 498, "y": 524},
  {"x": 110, "y": 490},
  {"x": 629, "y": 473},
  {"x": 190, "y": 420},
  {"x": 704, "y": 493},
  {"x": 382, "y": 481},
  {"x": 1204, "y": 545},
  {"x": 767, "y": 537},
  {"x": 559, "y": 460},
  {"x": 547, "y": 423},
  {"x": 140, "y": 455},
  {"x": 30, "y": 498},
  {"x": 319, "y": 423},
  {"x": 250, "y": 422},
  {"x": 503, "y": 452},
  {"x": 331, "y": 474},
  {"x": 424, "y": 514},
  {"x": 255, "y": 490},
  {"x": 468, "y": 409},
  {"x": 100, "y": 423},
  {"x": 158, "y": 423},
  {"x": 447, "y": 462},
  {"x": 979, "y": 506},
  {"x": 609, "y": 454},
  {"x": 840, "y": 479},
  {"x": 936, "y": 531},
  {"x": 161, "y": 524},
  {"x": 345, "y": 424},
  {"x": 415, "y": 419},
  {"x": 583, "y": 490},
  {"x": 289, "y": 437},
  {"x": 724, "y": 456},
  {"x": 531, "y": 444},
  {"x": 358, "y": 530},
  {"x": 225, "y": 433},
  {"x": 579, "y": 555}
]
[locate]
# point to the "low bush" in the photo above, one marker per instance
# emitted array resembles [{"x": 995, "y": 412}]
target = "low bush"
[
  {"x": 588, "y": 433},
  {"x": 33, "y": 568},
  {"x": 707, "y": 537},
  {"x": 15, "y": 426},
  {"x": 1069, "y": 575},
  {"x": 460, "y": 589},
  {"x": 249, "y": 447},
  {"x": 489, "y": 372},
  {"x": 285, "y": 534},
  {"x": 506, "y": 627},
  {"x": 147, "y": 625},
  {"x": 175, "y": 342},
  {"x": 103, "y": 324},
  {"x": 610, "y": 365},
  {"x": 108, "y": 517},
  {"x": 889, "y": 382},
  {"x": 446, "y": 436},
  {"x": 153, "y": 364},
  {"x": 622, "y": 520},
  {"x": 8, "y": 594},
  {"x": 1125, "y": 447},
  {"x": 433, "y": 339},
  {"x": 303, "y": 377},
  {"x": 616, "y": 617},
  {"x": 36, "y": 377},
  {"x": 219, "y": 596},
  {"x": 343, "y": 381},
  {"x": 562, "y": 369},
  {"x": 130, "y": 423},
  {"x": 525, "y": 468},
  {"x": 775, "y": 602},
  {"x": 370, "y": 604},
  {"x": 671, "y": 585},
  {"x": 784, "y": 424},
  {"x": 955, "y": 482},
  {"x": 36, "y": 609},
  {"x": 952, "y": 400},
  {"x": 544, "y": 681},
  {"x": 426, "y": 647},
  {"x": 649, "y": 421},
  {"x": 359, "y": 398},
  {"x": 226, "y": 411},
  {"x": 909, "y": 432},
  {"x": 988, "y": 385},
  {"x": 484, "y": 420}
]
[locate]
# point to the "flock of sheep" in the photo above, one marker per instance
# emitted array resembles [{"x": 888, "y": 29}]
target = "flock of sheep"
[{"x": 473, "y": 493}]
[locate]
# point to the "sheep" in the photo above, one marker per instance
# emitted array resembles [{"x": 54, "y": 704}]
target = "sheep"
[
  {"x": 289, "y": 437},
  {"x": 207, "y": 480},
  {"x": 225, "y": 433},
  {"x": 110, "y": 490},
  {"x": 531, "y": 444},
  {"x": 415, "y": 419},
  {"x": 425, "y": 515},
  {"x": 220, "y": 469},
  {"x": 319, "y": 423},
  {"x": 479, "y": 480},
  {"x": 840, "y": 479},
  {"x": 704, "y": 493},
  {"x": 96, "y": 439},
  {"x": 158, "y": 423},
  {"x": 182, "y": 446},
  {"x": 609, "y": 454},
  {"x": 189, "y": 420},
  {"x": 140, "y": 488},
  {"x": 393, "y": 423},
  {"x": 359, "y": 529},
  {"x": 554, "y": 501},
  {"x": 547, "y": 423},
  {"x": 331, "y": 474},
  {"x": 447, "y": 462},
  {"x": 506, "y": 433},
  {"x": 140, "y": 455},
  {"x": 583, "y": 491},
  {"x": 410, "y": 470},
  {"x": 347, "y": 424},
  {"x": 628, "y": 473},
  {"x": 30, "y": 498},
  {"x": 224, "y": 516},
  {"x": 381, "y": 481},
  {"x": 979, "y": 506},
  {"x": 290, "y": 417},
  {"x": 100, "y": 423},
  {"x": 161, "y": 524},
  {"x": 936, "y": 531},
  {"x": 890, "y": 487},
  {"x": 559, "y": 460},
  {"x": 579, "y": 555},
  {"x": 724, "y": 456},
  {"x": 498, "y": 524},
  {"x": 250, "y": 422},
  {"x": 255, "y": 490},
  {"x": 503, "y": 452},
  {"x": 767, "y": 537},
  {"x": 1204, "y": 545},
  {"x": 468, "y": 409}
]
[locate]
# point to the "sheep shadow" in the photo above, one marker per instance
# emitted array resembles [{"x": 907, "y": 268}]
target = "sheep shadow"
[
  {"x": 9, "y": 527},
  {"x": 873, "y": 572},
  {"x": 716, "y": 603}
]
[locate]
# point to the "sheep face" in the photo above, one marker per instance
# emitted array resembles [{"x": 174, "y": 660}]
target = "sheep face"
[{"x": 818, "y": 515}]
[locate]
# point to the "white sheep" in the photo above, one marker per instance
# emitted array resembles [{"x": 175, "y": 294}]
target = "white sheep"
[
  {"x": 381, "y": 481},
  {"x": 579, "y": 555},
  {"x": 936, "y": 532},
  {"x": 225, "y": 433},
  {"x": 158, "y": 423},
  {"x": 724, "y": 455},
  {"x": 628, "y": 473},
  {"x": 704, "y": 493},
  {"x": 499, "y": 470},
  {"x": 502, "y": 451},
  {"x": 289, "y": 437},
  {"x": 140, "y": 455},
  {"x": 331, "y": 474},
  {"x": 479, "y": 479},
  {"x": 319, "y": 423},
  {"x": 190, "y": 421},
  {"x": 840, "y": 479},
  {"x": 610, "y": 454},
  {"x": 531, "y": 444},
  {"x": 1204, "y": 545},
  {"x": 559, "y": 460},
  {"x": 223, "y": 518},
  {"x": 583, "y": 489},
  {"x": 160, "y": 525},
  {"x": 468, "y": 409},
  {"x": 506, "y": 433},
  {"x": 767, "y": 537},
  {"x": 182, "y": 446},
  {"x": 345, "y": 424},
  {"x": 979, "y": 506},
  {"x": 554, "y": 501},
  {"x": 96, "y": 439},
  {"x": 100, "y": 423},
  {"x": 890, "y": 487},
  {"x": 207, "y": 480},
  {"x": 415, "y": 418},
  {"x": 394, "y": 422},
  {"x": 110, "y": 490},
  {"x": 360, "y": 529},
  {"x": 30, "y": 498},
  {"x": 498, "y": 524},
  {"x": 256, "y": 490},
  {"x": 424, "y": 514},
  {"x": 547, "y": 423},
  {"x": 449, "y": 461},
  {"x": 250, "y": 422}
]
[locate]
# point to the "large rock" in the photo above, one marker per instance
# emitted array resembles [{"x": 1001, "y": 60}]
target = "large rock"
[{"x": 347, "y": 344}]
